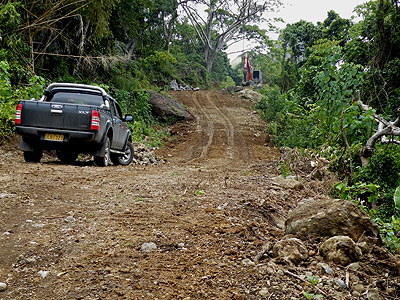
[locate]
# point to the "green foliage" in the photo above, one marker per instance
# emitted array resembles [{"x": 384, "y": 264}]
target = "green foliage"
[
  {"x": 313, "y": 279},
  {"x": 227, "y": 82},
  {"x": 272, "y": 103},
  {"x": 361, "y": 193},
  {"x": 284, "y": 169},
  {"x": 383, "y": 168},
  {"x": 161, "y": 63},
  {"x": 389, "y": 231},
  {"x": 5, "y": 82},
  {"x": 396, "y": 199},
  {"x": 10, "y": 97},
  {"x": 312, "y": 296}
]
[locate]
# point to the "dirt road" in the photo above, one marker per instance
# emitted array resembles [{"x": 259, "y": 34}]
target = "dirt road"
[{"x": 81, "y": 232}]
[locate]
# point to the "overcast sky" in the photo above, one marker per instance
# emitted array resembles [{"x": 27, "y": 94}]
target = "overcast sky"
[
  {"x": 316, "y": 10},
  {"x": 310, "y": 10}
]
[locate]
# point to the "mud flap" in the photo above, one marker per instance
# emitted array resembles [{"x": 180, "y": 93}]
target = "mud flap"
[{"x": 25, "y": 146}]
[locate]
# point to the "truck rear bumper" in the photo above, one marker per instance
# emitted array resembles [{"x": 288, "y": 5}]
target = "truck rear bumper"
[
  {"x": 39, "y": 133},
  {"x": 33, "y": 138}
]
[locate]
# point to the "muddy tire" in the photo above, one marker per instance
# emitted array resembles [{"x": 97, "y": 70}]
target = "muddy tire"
[
  {"x": 103, "y": 161},
  {"x": 33, "y": 156}
]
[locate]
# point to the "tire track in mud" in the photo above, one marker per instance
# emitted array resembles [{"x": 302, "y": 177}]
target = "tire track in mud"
[
  {"x": 207, "y": 128},
  {"x": 223, "y": 131},
  {"x": 207, "y": 125},
  {"x": 230, "y": 130},
  {"x": 240, "y": 148}
]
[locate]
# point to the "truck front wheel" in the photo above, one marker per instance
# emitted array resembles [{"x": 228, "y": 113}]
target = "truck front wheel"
[
  {"x": 103, "y": 161},
  {"x": 33, "y": 156}
]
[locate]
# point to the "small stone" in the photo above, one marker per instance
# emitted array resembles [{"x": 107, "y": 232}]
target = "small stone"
[
  {"x": 248, "y": 262},
  {"x": 356, "y": 294},
  {"x": 6, "y": 233},
  {"x": 43, "y": 274},
  {"x": 38, "y": 225},
  {"x": 148, "y": 247},
  {"x": 31, "y": 260},
  {"x": 339, "y": 282},
  {"x": 69, "y": 219},
  {"x": 280, "y": 272},
  {"x": 3, "y": 286},
  {"x": 264, "y": 292},
  {"x": 354, "y": 266},
  {"x": 325, "y": 268},
  {"x": 359, "y": 288},
  {"x": 374, "y": 295}
]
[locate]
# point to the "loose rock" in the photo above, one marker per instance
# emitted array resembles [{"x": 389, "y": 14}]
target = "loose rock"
[
  {"x": 325, "y": 268},
  {"x": 289, "y": 183},
  {"x": 340, "y": 250},
  {"x": 3, "y": 286},
  {"x": 43, "y": 274},
  {"x": 264, "y": 292},
  {"x": 148, "y": 247},
  {"x": 290, "y": 250}
]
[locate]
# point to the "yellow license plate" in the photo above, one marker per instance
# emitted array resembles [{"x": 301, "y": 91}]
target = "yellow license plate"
[{"x": 54, "y": 137}]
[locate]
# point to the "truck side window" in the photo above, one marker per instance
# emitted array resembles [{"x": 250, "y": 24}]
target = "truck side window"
[
  {"x": 118, "y": 110},
  {"x": 112, "y": 108}
]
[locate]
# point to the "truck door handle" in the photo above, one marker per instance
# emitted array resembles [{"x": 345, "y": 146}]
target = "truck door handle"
[{"x": 56, "y": 111}]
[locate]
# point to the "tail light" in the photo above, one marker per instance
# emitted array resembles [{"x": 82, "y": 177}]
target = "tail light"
[
  {"x": 18, "y": 114},
  {"x": 95, "y": 121}
]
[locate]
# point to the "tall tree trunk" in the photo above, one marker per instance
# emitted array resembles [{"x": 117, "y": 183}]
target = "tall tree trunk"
[{"x": 210, "y": 55}]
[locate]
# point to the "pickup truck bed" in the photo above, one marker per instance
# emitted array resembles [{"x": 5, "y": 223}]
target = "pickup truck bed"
[{"x": 73, "y": 119}]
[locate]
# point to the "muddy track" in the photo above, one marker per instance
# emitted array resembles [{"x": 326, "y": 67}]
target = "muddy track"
[
  {"x": 76, "y": 231},
  {"x": 219, "y": 133}
]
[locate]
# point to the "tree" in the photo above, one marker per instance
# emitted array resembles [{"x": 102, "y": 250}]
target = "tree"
[
  {"x": 225, "y": 21},
  {"x": 336, "y": 28},
  {"x": 299, "y": 37}
]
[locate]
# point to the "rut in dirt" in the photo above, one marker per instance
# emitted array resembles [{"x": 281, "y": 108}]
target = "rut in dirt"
[{"x": 223, "y": 128}]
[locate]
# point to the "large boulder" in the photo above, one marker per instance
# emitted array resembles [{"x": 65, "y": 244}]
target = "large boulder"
[
  {"x": 331, "y": 217},
  {"x": 168, "y": 109}
]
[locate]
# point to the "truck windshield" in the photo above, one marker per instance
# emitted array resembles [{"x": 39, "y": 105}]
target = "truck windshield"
[{"x": 76, "y": 98}]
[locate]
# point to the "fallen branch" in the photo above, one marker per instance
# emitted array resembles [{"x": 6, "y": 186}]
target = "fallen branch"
[{"x": 385, "y": 128}]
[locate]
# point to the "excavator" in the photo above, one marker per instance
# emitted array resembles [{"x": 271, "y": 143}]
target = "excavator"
[{"x": 250, "y": 77}]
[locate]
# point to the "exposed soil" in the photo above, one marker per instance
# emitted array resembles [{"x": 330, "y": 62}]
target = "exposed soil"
[{"x": 76, "y": 231}]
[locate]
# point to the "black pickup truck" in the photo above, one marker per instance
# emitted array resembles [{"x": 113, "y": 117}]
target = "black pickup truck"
[{"x": 72, "y": 119}]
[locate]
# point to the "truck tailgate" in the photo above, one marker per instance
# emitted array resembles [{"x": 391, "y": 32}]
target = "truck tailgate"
[{"x": 56, "y": 115}]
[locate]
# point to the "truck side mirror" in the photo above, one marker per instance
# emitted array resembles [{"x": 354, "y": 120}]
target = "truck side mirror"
[{"x": 128, "y": 118}]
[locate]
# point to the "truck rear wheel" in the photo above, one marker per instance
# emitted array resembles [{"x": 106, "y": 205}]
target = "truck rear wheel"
[
  {"x": 124, "y": 159},
  {"x": 33, "y": 156},
  {"x": 103, "y": 161}
]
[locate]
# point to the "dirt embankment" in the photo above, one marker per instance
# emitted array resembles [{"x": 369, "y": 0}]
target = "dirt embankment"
[{"x": 189, "y": 228}]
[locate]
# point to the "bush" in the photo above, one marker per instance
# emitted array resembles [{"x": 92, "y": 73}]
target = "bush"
[{"x": 383, "y": 169}]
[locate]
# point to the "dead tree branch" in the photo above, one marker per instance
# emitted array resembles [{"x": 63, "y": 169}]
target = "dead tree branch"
[{"x": 385, "y": 129}]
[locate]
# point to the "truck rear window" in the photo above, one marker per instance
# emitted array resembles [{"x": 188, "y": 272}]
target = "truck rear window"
[{"x": 76, "y": 98}]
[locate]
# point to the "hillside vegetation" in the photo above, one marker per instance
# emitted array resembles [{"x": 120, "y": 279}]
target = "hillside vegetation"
[{"x": 315, "y": 75}]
